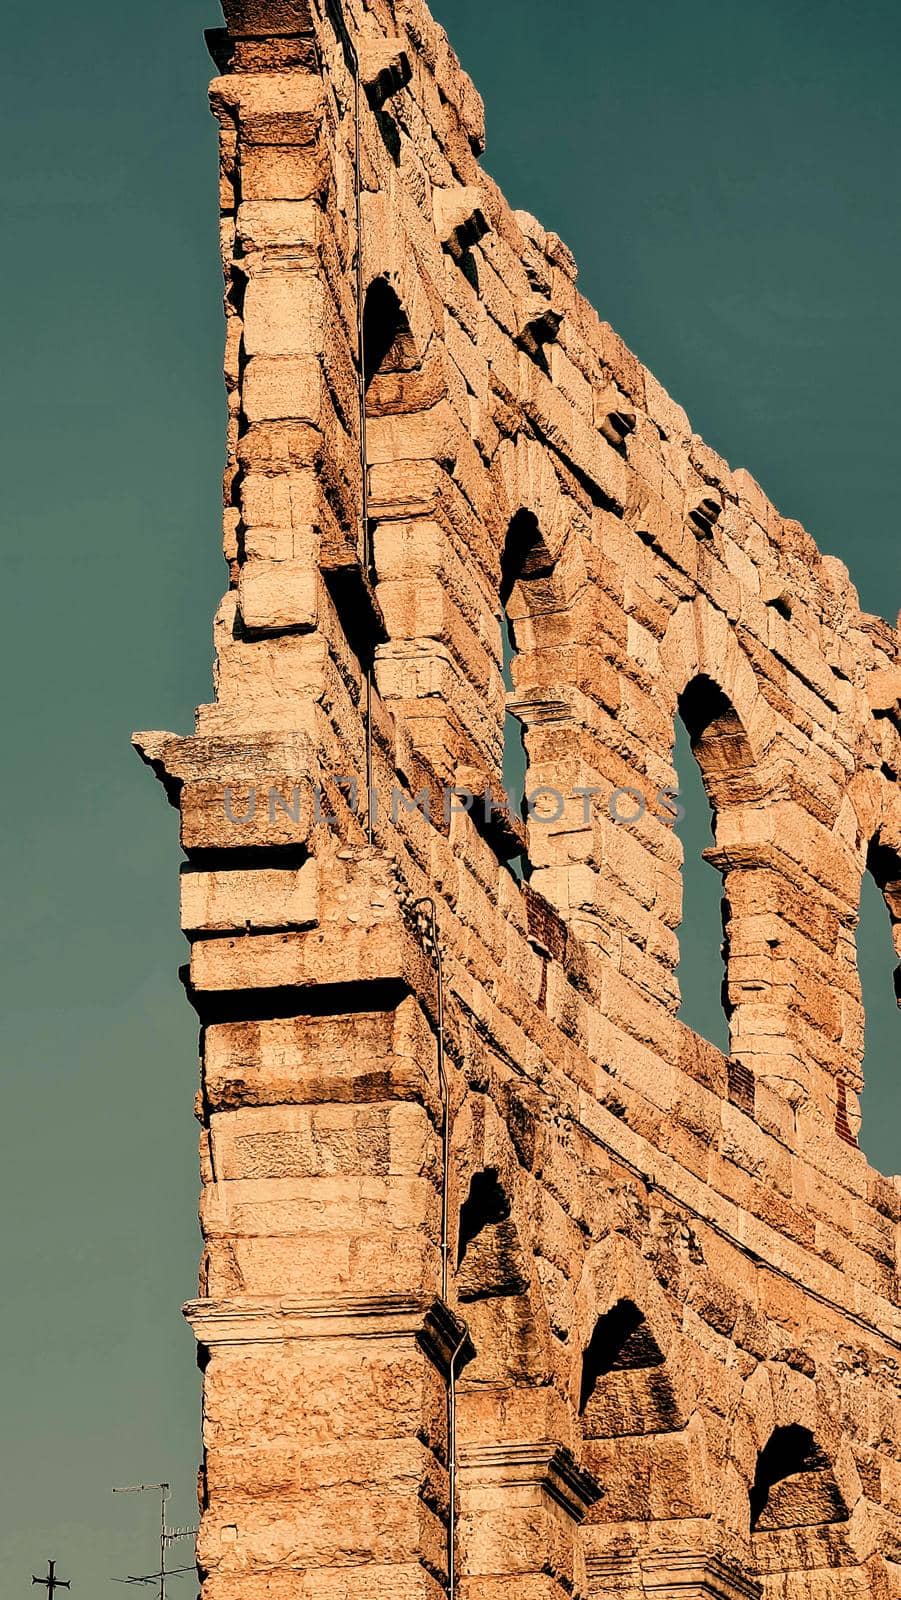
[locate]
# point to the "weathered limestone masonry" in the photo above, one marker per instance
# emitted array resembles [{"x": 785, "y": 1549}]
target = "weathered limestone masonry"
[{"x": 502, "y": 1260}]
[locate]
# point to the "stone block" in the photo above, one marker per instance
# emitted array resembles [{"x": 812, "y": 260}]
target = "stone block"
[
  {"x": 278, "y": 595},
  {"x": 245, "y": 898}
]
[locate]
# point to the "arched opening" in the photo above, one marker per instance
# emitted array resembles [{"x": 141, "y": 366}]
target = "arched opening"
[
  {"x": 624, "y": 1389},
  {"x": 493, "y": 1283},
  {"x": 621, "y": 1342},
  {"x": 490, "y": 1260},
  {"x": 701, "y": 928},
  {"x": 794, "y": 1484},
  {"x": 390, "y": 357},
  {"x": 525, "y": 562},
  {"x": 880, "y": 982},
  {"x": 712, "y": 758},
  {"x": 635, "y": 1438}
]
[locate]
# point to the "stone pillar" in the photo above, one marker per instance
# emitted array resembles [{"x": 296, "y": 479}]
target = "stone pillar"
[
  {"x": 762, "y": 974},
  {"x": 325, "y": 1355},
  {"x": 521, "y": 1506},
  {"x": 323, "y": 1422}
]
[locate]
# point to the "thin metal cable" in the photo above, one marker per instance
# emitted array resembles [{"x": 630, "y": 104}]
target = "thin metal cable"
[
  {"x": 428, "y": 904},
  {"x": 443, "y": 1086}
]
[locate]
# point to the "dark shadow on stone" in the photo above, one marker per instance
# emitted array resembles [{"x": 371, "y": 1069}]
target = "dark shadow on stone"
[
  {"x": 794, "y": 1485},
  {"x": 490, "y": 1262},
  {"x": 621, "y": 1342},
  {"x": 390, "y": 133}
]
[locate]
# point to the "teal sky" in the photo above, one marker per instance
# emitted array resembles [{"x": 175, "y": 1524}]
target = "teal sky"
[{"x": 727, "y": 176}]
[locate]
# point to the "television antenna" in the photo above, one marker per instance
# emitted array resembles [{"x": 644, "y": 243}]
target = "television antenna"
[{"x": 168, "y": 1537}]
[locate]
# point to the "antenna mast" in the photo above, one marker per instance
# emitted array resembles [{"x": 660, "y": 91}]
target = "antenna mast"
[{"x": 167, "y": 1536}]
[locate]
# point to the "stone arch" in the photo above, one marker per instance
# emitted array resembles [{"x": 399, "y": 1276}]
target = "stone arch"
[
  {"x": 526, "y": 556},
  {"x": 701, "y": 643},
  {"x": 626, "y": 1390},
  {"x": 642, "y": 1433},
  {"x": 719, "y": 742},
  {"x": 528, "y": 485},
  {"x": 804, "y": 1502},
  {"x": 539, "y": 580},
  {"x": 794, "y": 1485},
  {"x": 495, "y": 1278},
  {"x": 773, "y": 983},
  {"x": 391, "y": 360},
  {"x": 778, "y": 1396},
  {"x": 387, "y": 256},
  {"x": 403, "y": 369},
  {"x": 628, "y": 1365},
  {"x": 706, "y": 678},
  {"x": 526, "y": 481},
  {"x": 403, "y": 360},
  {"x": 530, "y": 492}
]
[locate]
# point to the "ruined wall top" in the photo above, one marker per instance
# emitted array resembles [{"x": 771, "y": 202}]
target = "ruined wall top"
[
  {"x": 660, "y": 567},
  {"x": 427, "y": 1073}
]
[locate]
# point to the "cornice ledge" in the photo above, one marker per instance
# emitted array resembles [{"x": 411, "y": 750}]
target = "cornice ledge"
[
  {"x": 444, "y": 1337},
  {"x": 689, "y": 1574},
  {"x": 542, "y": 1464},
  {"x": 250, "y": 1320},
  {"x": 693, "y": 1575}
]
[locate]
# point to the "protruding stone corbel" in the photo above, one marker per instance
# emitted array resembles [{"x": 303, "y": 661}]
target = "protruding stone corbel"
[
  {"x": 540, "y": 322},
  {"x": 247, "y": 1319},
  {"x": 704, "y": 516},
  {"x": 460, "y": 221},
  {"x": 268, "y": 19},
  {"x": 385, "y": 69},
  {"x": 533, "y": 712},
  {"x": 209, "y": 779},
  {"x": 697, "y": 1575},
  {"x": 444, "y": 1338},
  {"x": 884, "y": 691}
]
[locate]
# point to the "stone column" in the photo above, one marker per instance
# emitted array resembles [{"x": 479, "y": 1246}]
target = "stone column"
[
  {"x": 521, "y": 1506},
  {"x": 323, "y": 1419}
]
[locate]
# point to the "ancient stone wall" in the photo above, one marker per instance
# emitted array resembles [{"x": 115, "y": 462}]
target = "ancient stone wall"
[{"x": 506, "y": 1271}]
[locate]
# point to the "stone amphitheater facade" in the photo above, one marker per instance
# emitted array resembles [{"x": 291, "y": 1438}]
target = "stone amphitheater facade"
[{"x": 513, "y": 1286}]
